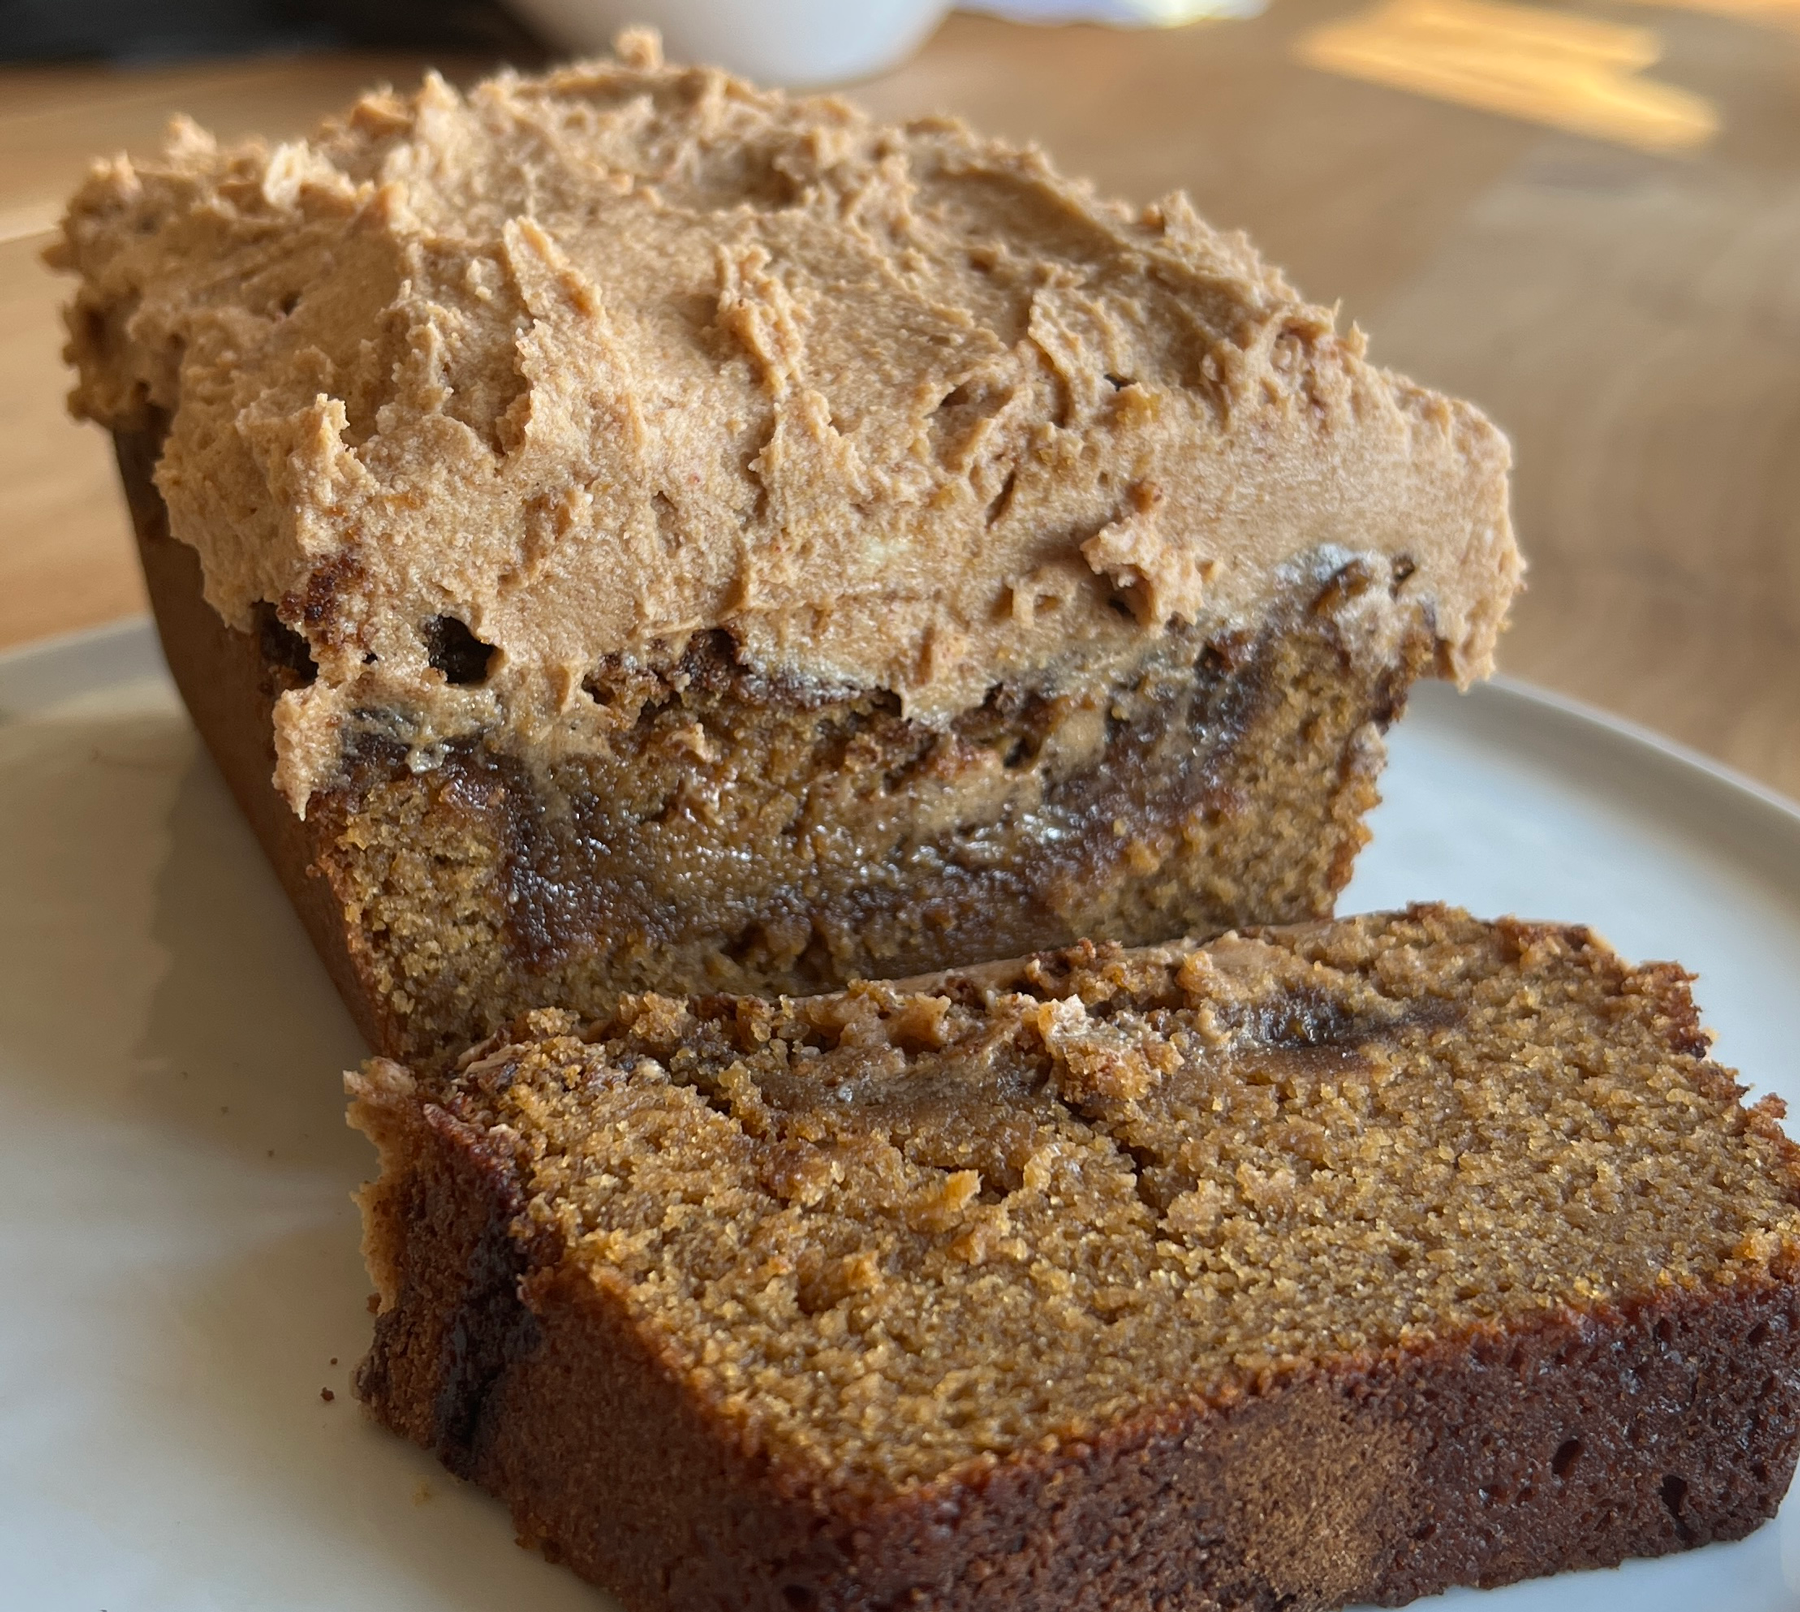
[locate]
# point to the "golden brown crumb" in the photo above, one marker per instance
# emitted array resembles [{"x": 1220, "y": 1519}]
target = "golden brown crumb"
[{"x": 909, "y": 1227}]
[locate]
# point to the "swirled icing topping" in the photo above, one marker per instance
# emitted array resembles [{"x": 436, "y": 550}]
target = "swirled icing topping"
[{"x": 593, "y": 361}]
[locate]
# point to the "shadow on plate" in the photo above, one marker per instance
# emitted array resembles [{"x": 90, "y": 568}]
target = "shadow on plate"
[
  {"x": 340, "y": 1477},
  {"x": 245, "y": 1042},
  {"x": 152, "y": 964}
]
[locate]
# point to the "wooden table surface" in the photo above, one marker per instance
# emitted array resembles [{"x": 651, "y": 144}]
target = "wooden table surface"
[{"x": 1586, "y": 219}]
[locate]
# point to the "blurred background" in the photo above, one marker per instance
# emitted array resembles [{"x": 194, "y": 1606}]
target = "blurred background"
[{"x": 1585, "y": 217}]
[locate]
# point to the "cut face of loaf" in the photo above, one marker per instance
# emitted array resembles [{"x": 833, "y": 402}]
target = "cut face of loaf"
[
  {"x": 652, "y": 534},
  {"x": 751, "y": 835},
  {"x": 1317, "y": 1264}
]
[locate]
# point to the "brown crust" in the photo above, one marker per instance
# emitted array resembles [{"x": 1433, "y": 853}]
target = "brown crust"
[
  {"x": 1577, "y": 1441},
  {"x": 230, "y": 688}
]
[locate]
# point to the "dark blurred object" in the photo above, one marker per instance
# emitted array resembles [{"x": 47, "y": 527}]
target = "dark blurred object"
[{"x": 169, "y": 30}]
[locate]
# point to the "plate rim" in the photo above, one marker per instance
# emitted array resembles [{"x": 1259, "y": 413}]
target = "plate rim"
[{"x": 1567, "y": 711}]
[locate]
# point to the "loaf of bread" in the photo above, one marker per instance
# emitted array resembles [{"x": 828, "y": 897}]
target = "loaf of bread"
[
  {"x": 1336, "y": 1262},
  {"x": 623, "y": 530}
]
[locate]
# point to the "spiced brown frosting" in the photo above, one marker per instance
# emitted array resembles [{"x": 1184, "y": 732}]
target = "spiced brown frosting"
[{"x": 593, "y": 361}]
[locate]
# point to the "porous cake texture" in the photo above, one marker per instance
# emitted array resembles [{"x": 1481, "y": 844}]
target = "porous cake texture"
[
  {"x": 1326, "y": 1263},
  {"x": 648, "y": 532}
]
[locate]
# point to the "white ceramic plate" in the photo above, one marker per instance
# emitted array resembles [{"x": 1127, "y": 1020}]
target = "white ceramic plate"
[{"x": 179, "y": 1275}]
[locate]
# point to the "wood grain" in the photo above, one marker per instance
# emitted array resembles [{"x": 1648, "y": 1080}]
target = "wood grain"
[{"x": 1632, "y": 318}]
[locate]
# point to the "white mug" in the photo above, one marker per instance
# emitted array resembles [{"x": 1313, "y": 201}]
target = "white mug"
[{"x": 796, "y": 43}]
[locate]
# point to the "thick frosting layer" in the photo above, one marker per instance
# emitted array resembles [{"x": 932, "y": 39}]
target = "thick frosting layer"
[{"x": 593, "y": 361}]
